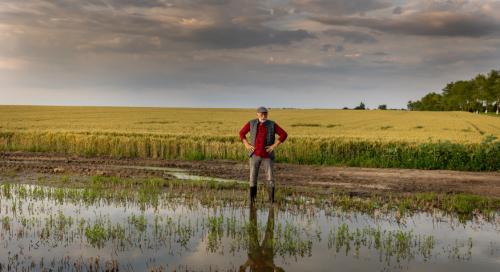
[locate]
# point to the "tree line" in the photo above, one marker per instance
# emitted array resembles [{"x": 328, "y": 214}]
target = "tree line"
[
  {"x": 362, "y": 106},
  {"x": 480, "y": 94}
]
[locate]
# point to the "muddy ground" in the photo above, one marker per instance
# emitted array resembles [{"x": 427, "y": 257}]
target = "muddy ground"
[{"x": 352, "y": 179}]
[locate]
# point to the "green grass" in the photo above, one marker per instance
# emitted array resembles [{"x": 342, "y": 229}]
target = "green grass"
[
  {"x": 146, "y": 191},
  {"x": 483, "y": 156}
]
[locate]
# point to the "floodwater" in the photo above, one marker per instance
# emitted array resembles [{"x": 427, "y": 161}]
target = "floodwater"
[
  {"x": 178, "y": 173},
  {"x": 67, "y": 229}
]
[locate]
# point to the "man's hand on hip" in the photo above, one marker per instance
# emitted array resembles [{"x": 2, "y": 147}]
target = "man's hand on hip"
[
  {"x": 270, "y": 148},
  {"x": 248, "y": 146}
]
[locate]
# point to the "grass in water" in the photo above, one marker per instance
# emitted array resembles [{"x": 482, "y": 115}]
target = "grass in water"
[{"x": 148, "y": 190}]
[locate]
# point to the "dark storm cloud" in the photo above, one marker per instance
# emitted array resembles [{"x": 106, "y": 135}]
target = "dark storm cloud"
[
  {"x": 59, "y": 16},
  {"x": 326, "y": 47},
  {"x": 447, "y": 5},
  {"x": 426, "y": 24},
  {"x": 337, "y": 48},
  {"x": 340, "y": 6},
  {"x": 206, "y": 2},
  {"x": 135, "y": 3},
  {"x": 397, "y": 10},
  {"x": 214, "y": 38},
  {"x": 78, "y": 4},
  {"x": 238, "y": 37},
  {"x": 351, "y": 36},
  {"x": 48, "y": 18},
  {"x": 125, "y": 45}
]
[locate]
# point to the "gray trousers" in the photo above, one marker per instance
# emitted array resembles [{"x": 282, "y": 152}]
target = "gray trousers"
[{"x": 267, "y": 163}]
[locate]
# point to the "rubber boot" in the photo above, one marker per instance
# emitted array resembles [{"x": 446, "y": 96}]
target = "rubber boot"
[
  {"x": 270, "y": 192},
  {"x": 253, "y": 194}
]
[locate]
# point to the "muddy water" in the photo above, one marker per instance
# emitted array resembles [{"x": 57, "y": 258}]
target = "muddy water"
[
  {"x": 178, "y": 173},
  {"x": 66, "y": 229}
]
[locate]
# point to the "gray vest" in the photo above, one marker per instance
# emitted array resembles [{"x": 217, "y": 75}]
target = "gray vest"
[{"x": 269, "y": 140}]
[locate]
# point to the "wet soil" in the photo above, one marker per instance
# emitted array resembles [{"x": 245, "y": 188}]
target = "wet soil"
[{"x": 355, "y": 180}]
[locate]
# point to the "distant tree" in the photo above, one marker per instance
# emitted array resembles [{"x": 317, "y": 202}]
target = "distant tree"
[
  {"x": 382, "y": 107},
  {"x": 432, "y": 102},
  {"x": 345, "y": 108},
  {"x": 492, "y": 92},
  {"x": 361, "y": 106},
  {"x": 412, "y": 105},
  {"x": 496, "y": 94},
  {"x": 481, "y": 93}
]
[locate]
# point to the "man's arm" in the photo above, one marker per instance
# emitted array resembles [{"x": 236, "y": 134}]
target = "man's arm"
[
  {"x": 283, "y": 135},
  {"x": 243, "y": 137},
  {"x": 281, "y": 132}
]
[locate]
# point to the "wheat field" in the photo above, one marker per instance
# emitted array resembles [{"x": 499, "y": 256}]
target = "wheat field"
[
  {"x": 372, "y": 138},
  {"x": 409, "y": 126}
]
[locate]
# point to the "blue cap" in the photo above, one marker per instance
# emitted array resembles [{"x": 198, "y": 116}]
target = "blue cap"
[{"x": 261, "y": 109}]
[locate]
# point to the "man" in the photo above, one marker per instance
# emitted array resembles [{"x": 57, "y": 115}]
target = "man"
[{"x": 261, "y": 149}]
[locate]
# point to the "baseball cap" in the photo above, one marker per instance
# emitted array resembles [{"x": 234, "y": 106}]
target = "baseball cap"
[{"x": 261, "y": 109}]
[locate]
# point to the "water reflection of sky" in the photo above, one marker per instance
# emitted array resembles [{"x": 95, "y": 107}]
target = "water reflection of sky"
[{"x": 144, "y": 251}]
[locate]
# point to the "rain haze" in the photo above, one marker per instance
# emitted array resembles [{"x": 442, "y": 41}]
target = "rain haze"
[{"x": 222, "y": 53}]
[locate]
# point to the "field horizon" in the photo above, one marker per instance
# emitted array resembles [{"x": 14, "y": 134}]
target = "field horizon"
[
  {"x": 366, "y": 138},
  {"x": 381, "y": 125}
]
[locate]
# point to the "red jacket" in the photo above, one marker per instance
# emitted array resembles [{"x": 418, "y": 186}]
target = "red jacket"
[{"x": 260, "y": 149}]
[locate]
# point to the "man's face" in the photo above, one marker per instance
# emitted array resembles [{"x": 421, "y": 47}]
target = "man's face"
[{"x": 262, "y": 116}]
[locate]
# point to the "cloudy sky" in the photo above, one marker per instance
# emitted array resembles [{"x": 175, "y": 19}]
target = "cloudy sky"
[{"x": 223, "y": 53}]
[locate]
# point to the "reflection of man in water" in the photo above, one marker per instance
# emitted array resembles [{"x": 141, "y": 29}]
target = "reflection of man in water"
[{"x": 260, "y": 257}]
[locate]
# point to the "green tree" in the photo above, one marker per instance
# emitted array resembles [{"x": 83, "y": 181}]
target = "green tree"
[
  {"x": 361, "y": 106},
  {"x": 432, "y": 102},
  {"x": 482, "y": 93},
  {"x": 493, "y": 90}
]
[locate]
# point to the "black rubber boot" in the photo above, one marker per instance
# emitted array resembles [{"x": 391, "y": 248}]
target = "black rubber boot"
[
  {"x": 270, "y": 192},
  {"x": 253, "y": 195}
]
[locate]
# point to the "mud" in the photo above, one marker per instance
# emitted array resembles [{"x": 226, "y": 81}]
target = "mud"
[{"x": 353, "y": 179}]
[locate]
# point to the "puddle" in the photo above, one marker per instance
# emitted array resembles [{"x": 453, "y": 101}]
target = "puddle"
[
  {"x": 351, "y": 185},
  {"x": 155, "y": 168},
  {"x": 64, "y": 229},
  {"x": 178, "y": 173}
]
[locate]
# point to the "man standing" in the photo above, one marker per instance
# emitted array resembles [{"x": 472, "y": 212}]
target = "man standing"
[{"x": 261, "y": 149}]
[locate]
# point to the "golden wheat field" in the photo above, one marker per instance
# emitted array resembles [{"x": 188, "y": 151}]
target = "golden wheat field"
[{"x": 390, "y": 125}]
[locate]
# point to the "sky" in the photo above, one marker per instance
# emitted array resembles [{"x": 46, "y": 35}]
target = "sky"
[{"x": 247, "y": 53}]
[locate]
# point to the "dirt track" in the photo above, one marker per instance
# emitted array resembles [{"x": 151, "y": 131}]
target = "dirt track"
[{"x": 352, "y": 179}]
